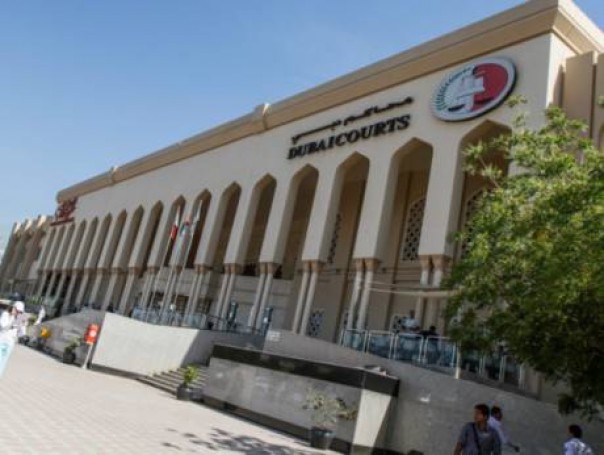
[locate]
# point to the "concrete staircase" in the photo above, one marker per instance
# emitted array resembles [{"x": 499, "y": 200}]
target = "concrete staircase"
[{"x": 170, "y": 380}]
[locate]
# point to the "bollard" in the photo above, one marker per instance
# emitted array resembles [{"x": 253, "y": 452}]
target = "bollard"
[{"x": 90, "y": 337}]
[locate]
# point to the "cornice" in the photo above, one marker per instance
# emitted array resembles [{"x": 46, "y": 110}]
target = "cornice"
[{"x": 529, "y": 20}]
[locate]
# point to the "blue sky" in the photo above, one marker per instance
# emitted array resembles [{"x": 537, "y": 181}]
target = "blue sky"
[{"x": 85, "y": 85}]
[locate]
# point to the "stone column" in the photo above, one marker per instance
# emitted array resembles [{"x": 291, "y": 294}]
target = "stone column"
[
  {"x": 370, "y": 265},
  {"x": 97, "y": 281},
  {"x": 271, "y": 268},
  {"x": 61, "y": 283},
  {"x": 323, "y": 215},
  {"x": 316, "y": 267},
  {"x": 70, "y": 291},
  {"x": 83, "y": 287},
  {"x": 193, "y": 292},
  {"x": 51, "y": 284},
  {"x": 48, "y": 246},
  {"x": 424, "y": 261},
  {"x": 202, "y": 272},
  {"x": 236, "y": 269},
  {"x": 113, "y": 279},
  {"x": 40, "y": 279},
  {"x": 32, "y": 251},
  {"x": 9, "y": 251},
  {"x": 420, "y": 302},
  {"x": 356, "y": 293},
  {"x": 223, "y": 289},
  {"x": 251, "y": 322},
  {"x": 441, "y": 262},
  {"x": 378, "y": 203},
  {"x": 170, "y": 287},
  {"x": 59, "y": 263},
  {"x": 204, "y": 288},
  {"x": 148, "y": 287},
  {"x": 441, "y": 214},
  {"x": 242, "y": 225},
  {"x": 128, "y": 292},
  {"x": 301, "y": 296},
  {"x": 13, "y": 261}
]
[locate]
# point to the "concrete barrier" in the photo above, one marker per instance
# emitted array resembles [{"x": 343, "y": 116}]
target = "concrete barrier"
[
  {"x": 272, "y": 389},
  {"x": 138, "y": 348}
]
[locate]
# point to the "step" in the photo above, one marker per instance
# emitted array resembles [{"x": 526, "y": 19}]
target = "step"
[
  {"x": 174, "y": 383},
  {"x": 177, "y": 375},
  {"x": 197, "y": 392},
  {"x": 156, "y": 385},
  {"x": 170, "y": 380},
  {"x": 169, "y": 385}
]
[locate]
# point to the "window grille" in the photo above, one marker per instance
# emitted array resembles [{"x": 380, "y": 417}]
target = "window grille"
[
  {"x": 315, "y": 321},
  {"x": 334, "y": 239},
  {"x": 413, "y": 230}
]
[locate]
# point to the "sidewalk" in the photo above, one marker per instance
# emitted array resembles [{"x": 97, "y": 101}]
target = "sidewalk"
[{"x": 50, "y": 408}]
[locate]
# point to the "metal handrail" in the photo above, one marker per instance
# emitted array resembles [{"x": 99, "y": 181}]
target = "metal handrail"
[
  {"x": 201, "y": 321},
  {"x": 434, "y": 351}
]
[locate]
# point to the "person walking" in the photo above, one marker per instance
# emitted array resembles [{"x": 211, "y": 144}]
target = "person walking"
[
  {"x": 477, "y": 438},
  {"x": 495, "y": 422},
  {"x": 575, "y": 445},
  {"x": 10, "y": 322}
]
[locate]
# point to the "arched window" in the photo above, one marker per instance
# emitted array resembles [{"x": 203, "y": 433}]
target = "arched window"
[{"x": 413, "y": 230}]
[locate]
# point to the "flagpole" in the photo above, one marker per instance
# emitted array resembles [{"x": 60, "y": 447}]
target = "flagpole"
[
  {"x": 158, "y": 278},
  {"x": 171, "y": 233},
  {"x": 185, "y": 248}
]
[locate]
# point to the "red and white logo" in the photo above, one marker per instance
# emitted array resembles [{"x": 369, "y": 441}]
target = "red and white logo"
[{"x": 474, "y": 89}]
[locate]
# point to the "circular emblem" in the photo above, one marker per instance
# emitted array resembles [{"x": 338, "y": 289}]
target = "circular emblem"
[{"x": 474, "y": 89}]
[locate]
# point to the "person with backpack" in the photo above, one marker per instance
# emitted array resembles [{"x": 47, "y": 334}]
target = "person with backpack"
[
  {"x": 477, "y": 437},
  {"x": 575, "y": 445}
]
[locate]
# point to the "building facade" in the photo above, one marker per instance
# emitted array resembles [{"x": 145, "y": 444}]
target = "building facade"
[{"x": 331, "y": 209}]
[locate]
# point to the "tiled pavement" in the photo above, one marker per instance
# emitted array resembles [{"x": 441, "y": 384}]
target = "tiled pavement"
[{"x": 50, "y": 408}]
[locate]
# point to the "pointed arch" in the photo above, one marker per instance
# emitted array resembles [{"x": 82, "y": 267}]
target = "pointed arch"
[
  {"x": 229, "y": 203},
  {"x": 474, "y": 186},
  {"x": 354, "y": 160},
  {"x": 485, "y": 130},
  {"x": 149, "y": 237},
  {"x": 260, "y": 204},
  {"x": 131, "y": 236}
]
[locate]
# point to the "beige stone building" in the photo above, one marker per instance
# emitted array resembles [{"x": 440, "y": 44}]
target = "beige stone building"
[{"x": 330, "y": 209}]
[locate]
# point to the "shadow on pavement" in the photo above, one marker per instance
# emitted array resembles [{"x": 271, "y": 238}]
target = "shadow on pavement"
[{"x": 221, "y": 440}]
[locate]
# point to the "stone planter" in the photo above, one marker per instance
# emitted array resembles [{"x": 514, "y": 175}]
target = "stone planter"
[
  {"x": 184, "y": 392},
  {"x": 321, "y": 438},
  {"x": 69, "y": 356}
]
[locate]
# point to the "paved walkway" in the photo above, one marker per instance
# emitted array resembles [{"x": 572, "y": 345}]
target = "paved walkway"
[{"x": 50, "y": 408}]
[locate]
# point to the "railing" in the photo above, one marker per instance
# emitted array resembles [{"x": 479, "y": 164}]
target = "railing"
[
  {"x": 200, "y": 321},
  {"x": 435, "y": 352}
]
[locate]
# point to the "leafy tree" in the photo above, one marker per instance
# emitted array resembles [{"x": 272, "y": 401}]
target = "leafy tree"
[{"x": 533, "y": 276}]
